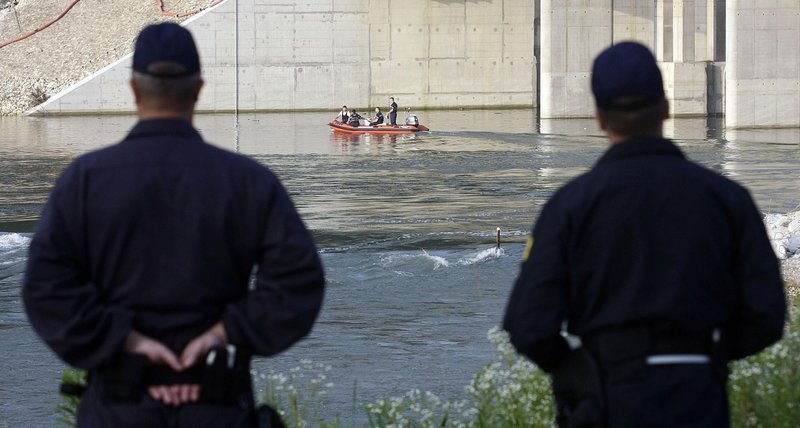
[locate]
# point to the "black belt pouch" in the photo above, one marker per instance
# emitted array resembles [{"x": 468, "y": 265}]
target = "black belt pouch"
[{"x": 122, "y": 380}]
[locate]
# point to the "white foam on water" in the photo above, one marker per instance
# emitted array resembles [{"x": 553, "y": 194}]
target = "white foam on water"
[
  {"x": 438, "y": 261},
  {"x": 489, "y": 253},
  {"x": 398, "y": 260},
  {"x": 13, "y": 241}
]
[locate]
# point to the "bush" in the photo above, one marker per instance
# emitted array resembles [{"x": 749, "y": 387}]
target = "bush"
[
  {"x": 298, "y": 396},
  {"x": 511, "y": 392},
  {"x": 67, "y": 409},
  {"x": 764, "y": 390}
]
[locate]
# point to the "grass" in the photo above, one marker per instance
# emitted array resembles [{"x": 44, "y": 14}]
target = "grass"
[
  {"x": 67, "y": 409},
  {"x": 764, "y": 391}
]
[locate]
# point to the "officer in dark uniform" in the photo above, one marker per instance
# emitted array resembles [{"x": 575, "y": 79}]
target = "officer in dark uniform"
[
  {"x": 392, "y": 112},
  {"x": 140, "y": 267},
  {"x": 660, "y": 267}
]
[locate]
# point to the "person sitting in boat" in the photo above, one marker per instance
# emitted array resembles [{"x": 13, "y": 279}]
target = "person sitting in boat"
[
  {"x": 354, "y": 119},
  {"x": 342, "y": 117},
  {"x": 378, "y": 117}
]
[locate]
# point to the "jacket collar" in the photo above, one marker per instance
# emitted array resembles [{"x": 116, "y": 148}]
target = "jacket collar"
[
  {"x": 161, "y": 127},
  {"x": 640, "y": 146}
]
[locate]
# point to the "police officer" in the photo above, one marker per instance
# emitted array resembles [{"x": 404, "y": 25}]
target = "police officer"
[
  {"x": 660, "y": 267},
  {"x": 392, "y": 112},
  {"x": 140, "y": 266},
  {"x": 378, "y": 117}
]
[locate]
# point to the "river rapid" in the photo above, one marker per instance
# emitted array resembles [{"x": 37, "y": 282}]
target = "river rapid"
[{"x": 405, "y": 226}]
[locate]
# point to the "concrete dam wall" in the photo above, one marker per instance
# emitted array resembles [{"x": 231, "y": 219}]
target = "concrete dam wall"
[
  {"x": 321, "y": 54},
  {"x": 737, "y": 58}
]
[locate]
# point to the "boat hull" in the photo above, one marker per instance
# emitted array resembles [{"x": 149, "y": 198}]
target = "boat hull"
[{"x": 380, "y": 129}]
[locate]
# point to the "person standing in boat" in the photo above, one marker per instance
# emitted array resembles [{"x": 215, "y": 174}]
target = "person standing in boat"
[
  {"x": 392, "y": 111},
  {"x": 378, "y": 117},
  {"x": 343, "y": 116}
]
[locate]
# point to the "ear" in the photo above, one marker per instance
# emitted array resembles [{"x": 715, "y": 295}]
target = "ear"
[
  {"x": 200, "y": 83},
  {"x": 600, "y": 121},
  {"x": 137, "y": 95}
]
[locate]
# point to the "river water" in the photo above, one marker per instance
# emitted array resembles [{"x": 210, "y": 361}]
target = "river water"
[{"x": 405, "y": 225}]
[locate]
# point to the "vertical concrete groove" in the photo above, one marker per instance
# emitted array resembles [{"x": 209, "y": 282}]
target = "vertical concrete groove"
[
  {"x": 333, "y": 50},
  {"x": 369, "y": 63},
  {"x": 428, "y": 62},
  {"x": 613, "y": 40},
  {"x": 294, "y": 53},
  {"x": 503, "y": 30}
]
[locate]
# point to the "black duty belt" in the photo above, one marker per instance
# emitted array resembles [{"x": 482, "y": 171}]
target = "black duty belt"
[
  {"x": 625, "y": 353},
  {"x": 223, "y": 377}
]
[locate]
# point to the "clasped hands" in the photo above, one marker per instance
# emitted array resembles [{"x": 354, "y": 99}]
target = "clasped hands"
[{"x": 157, "y": 353}]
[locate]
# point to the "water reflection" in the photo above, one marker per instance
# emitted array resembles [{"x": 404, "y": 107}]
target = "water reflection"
[
  {"x": 394, "y": 216},
  {"x": 365, "y": 142}
]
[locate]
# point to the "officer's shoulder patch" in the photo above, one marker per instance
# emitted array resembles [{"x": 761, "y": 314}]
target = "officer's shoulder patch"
[{"x": 528, "y": 248}]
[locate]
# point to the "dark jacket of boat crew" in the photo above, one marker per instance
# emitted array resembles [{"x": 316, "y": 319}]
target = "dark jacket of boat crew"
[
  {"x": 378, "y": 117},
  {"x": 392, "y": 111},
  {"x": 662, "y": 267},
  {"x": 146, "y": 249},
  {"x": 355, "y": 119}
]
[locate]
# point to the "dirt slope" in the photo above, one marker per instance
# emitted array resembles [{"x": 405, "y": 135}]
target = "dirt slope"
[{"x": 91, "y": 35}]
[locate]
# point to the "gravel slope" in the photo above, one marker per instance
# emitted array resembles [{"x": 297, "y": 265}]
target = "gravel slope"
[{"x": 91, "y": 35}]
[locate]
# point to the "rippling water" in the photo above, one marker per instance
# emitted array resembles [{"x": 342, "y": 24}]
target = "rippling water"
[{"x": 405, "y": 224}]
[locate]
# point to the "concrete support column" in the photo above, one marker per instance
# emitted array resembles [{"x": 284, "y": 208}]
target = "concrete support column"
[
  {"x": 573, "y": 32},
  {"x": 683, "y": 34},
  {"x": 676, "y": 48},
  {"x": 716, "y": 19},
  {"x": 663, "y": 36},
  {"x": 762, "y": 81},
  {"x": 701, "y": 30},
  {"x": 634, "y": 20}
]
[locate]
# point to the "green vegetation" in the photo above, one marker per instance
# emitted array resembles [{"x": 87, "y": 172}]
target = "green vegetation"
[
  {"x": 67, "y": 409},
  {"x": 512, "y": 392},
  {"x": 764, "y": 389}
]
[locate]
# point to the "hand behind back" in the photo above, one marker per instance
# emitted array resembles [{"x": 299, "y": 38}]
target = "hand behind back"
[{"x": 157, "y": 353}]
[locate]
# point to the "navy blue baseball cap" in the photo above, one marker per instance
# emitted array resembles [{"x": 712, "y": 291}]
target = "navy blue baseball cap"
[
  {"x": 625, "y": 77},
  {"x": 166, "y": 42}
]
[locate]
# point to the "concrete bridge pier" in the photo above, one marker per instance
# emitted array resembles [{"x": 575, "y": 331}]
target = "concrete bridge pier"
[
  {"x": 738, "y": 58},
  {"x": 574, "y": 32}
]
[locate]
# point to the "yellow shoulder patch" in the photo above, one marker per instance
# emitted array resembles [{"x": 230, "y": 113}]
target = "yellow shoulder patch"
[{"x": 528, "y": 248}]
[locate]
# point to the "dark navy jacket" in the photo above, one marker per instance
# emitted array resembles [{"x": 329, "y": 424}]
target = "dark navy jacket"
[
  {"x": 647, "y": 236},
  {"x": 161, "y": 233}
]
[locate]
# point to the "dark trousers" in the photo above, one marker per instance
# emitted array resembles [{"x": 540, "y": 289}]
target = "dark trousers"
[
  {"x": 93, "y": 412},
  {"x": 393, "y": 118},
  {"x": 679, "y": 395}
]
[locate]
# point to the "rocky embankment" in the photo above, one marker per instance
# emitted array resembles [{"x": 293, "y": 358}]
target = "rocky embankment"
[
  {"x": 784, "y": 233},
  {"x": 91, "y": 35}
]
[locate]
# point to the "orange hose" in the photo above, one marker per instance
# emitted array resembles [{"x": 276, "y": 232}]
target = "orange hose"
[
  {"x": 64, "y": 12},
  {"x": 41, "y": 27}
]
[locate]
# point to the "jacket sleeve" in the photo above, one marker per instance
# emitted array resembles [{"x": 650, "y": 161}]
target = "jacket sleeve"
[
  {"x": 289, "y": 286},
  {"x": 759, "y": 316},
  {"x": 64, "y": 307},
  {"x": 537, "y": 306}
]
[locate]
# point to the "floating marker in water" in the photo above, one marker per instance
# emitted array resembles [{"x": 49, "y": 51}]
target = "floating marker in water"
[{"x": 498, "y": 239}]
